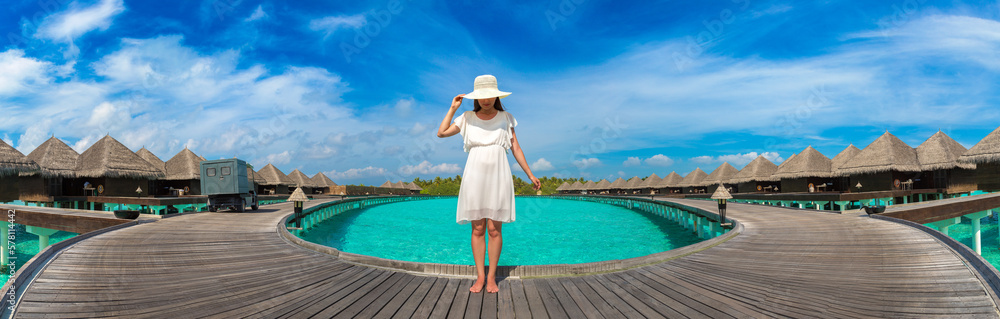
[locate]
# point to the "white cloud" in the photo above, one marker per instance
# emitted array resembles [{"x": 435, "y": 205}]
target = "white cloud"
[
  {"x": 738, "y": 159},
  {"x": 587, "y": 163},
  {"x": 257, "y": 14},
  {"x": 542, "y": 165},
  {"x": 71, "y": 24},
  {"x": 659, "y": 160},
  {"x": 425, "y": 168},
  {"x": 355, "y": 173},
  {"x": 107, "y": 116},
  {"x": 417, "y": 129},
  {"x": 18, "y": 73},
  {"x": 329, "y": 25},
  {"x": 278, "y": 159},
  {"x": 631, "y": 161}
]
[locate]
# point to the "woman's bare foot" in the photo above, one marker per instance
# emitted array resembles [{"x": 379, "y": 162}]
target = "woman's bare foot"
[
  {"x": 478, "y": 286},
  {"x": 491, "y": 286}
]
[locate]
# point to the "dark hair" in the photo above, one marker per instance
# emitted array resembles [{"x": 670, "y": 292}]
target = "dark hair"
[{"x": 496, "y": 104}]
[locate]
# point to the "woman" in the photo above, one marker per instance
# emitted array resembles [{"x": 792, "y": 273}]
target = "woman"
[{"x": 486, "y": 196}]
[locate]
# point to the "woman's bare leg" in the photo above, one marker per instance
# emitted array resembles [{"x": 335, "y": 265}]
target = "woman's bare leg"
[
  {"x": 479, "y": 252},
  {"x": 496, "y": 244}
]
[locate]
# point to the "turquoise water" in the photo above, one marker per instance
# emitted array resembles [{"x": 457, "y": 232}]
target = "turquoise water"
[
  {"x": 988, "y": 237},
  {"x": 547, "y": 231},
  {"x": 27, "y": 247}
]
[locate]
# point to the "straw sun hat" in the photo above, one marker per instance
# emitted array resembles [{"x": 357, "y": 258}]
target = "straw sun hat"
[{"x": 486, "y": 87}]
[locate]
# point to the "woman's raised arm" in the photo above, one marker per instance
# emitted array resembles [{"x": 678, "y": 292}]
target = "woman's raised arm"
[{"x": 447, "y": 129}]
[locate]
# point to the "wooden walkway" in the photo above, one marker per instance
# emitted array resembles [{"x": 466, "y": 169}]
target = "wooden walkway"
[{"x": 787, "y": 263}]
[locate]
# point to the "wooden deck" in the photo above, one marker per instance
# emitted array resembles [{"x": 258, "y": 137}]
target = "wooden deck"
[{"x": 787, "y": 263}]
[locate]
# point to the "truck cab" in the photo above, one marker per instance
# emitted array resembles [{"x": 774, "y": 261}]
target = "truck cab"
[{"x": 226, "y": 184}]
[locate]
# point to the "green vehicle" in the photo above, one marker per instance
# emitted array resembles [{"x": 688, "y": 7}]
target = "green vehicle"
[{"x": 227, "y": 185}]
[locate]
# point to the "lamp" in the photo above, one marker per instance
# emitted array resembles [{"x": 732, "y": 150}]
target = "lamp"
[
  {"x": 721, "y": 195},
  {"x": 138, "y": 191},
  {"x": 298, "y": 197}
]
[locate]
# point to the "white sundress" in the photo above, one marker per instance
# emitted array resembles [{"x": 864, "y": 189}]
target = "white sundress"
[{"x": 487, "y": 189}]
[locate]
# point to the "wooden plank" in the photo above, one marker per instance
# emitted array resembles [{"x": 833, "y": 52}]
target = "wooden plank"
[
  {"x": 534, "y": 300},
  {"x": 424, "y": 291},
  {"x": 629, "y": 298},
  {"x": 461, "y": 299},
  {"x": 474, "y": 308},
  {"x": 549, "y": 299},
  {"x": 505, "y": 300},
  {"x": 372, "y": 303},
  {"x": 579, "y": 298},
  {"x": 443, "y": 306},
  {"x": 408, "y": 291},
  {"x": 569, "y": 304},
  {"x": 519, "y": 300},
  {"x": 490, "y": 308},
  {"x": 604, "y": 308}
]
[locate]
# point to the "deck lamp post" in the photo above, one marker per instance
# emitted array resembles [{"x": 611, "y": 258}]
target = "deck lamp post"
[
  {"x": 721, "y": 195},
  {"x": 298, "y": 197}
]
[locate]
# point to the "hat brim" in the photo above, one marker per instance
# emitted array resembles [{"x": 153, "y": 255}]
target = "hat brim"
[{"x": 485, "y": 94}]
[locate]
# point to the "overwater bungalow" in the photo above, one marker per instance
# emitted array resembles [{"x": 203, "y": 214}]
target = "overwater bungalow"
[
  {"x": 55, "y": 176},
  {"x": 885, "y": 164},
  {"x": 12, "y": 163},
  {"x": 183, "y": 174},
  {"x": 155, "y": 186},
  {"x": 600, "y": 187},
  {"x": 648, "y": 185},
  {"x": 414, "y": 188},
  {"x": 111, "y": 169},
  {"x": 808, "y": 171},
  {"x": 563, "y": 188},
  {"x": 575, "y": 188},
  {"x": 986, "y": 156},
  {"x": 632, "y": 185},
  {"x": 326, "y": 183},
  {"x": 691, "y": 184},
  {"x": 757, "y": 177},
  {"x": 275, "y": 182},
  {"x": 301, "y": 180},
  {"x": 255, "y": 177},
  {"x": 618, "y": 186},
  {"x": 670, "y": 184},
  {"x": 938, "y": 157},
  {"x": 838, "y": 162},
  {"x": 721, "y": 175},
  {"x": 587, "y": 188}
]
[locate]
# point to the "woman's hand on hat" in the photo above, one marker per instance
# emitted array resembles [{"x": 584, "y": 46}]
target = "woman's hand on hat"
[{"x": 455, "y": 103}]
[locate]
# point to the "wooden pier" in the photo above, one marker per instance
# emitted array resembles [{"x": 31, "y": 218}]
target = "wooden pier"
[{"x": 786, "y": 263}]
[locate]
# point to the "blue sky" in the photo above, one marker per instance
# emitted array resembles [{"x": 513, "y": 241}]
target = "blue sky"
[{"x": 602, "y": 89}]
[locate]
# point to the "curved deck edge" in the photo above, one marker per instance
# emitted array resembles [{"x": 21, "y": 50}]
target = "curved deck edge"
[
  {"x": 524, "y": 272},
  {"x": 981, "y": 268}
]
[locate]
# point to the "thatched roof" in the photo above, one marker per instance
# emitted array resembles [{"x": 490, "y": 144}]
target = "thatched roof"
[
  {"x": 13, "y": 162},
  {"x": 760, "y": 169},
  {"x": 298, "y": 196},
  {"x": 721, "y": 193},
  {"x": 576, "y": 186},
  {"x": 808, "y": 163},
  {"x": 399, "y": 184},
  {"x": 844, "y": 156},
  {"x": 694, "y": 178},
  {"x": 722, "y": 174},
  {"x": 109, "y": 158},
  {"x": 887, "y": 153},
  {"x": 633, "y": 183},
  {"x": 619, "y": 183},
  {"x": 589, "y": 185},
  {"x": 786, "y": 161},
  {"x": 255, "y": 177},
  {"x": 301, "y": 180},
  {"x": 387, "y": 184},
  {"x": 413, "y": 186},
  {"x": 273, "y": 176},
  {"x": 55, "y": 158},
  {"x": 671, "y": 180},
  {"x": 602, "y": 184},
  {"x": 185, "y": 165},
  {"x": 322, "y": 180},
  {"x": 562, "y": 187},
  {"x": 986, "y": 151},
  {"x": 651, "y": 181},
  {"x": 941, "y": 152},
  {"x": 152, "y": 159}
]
